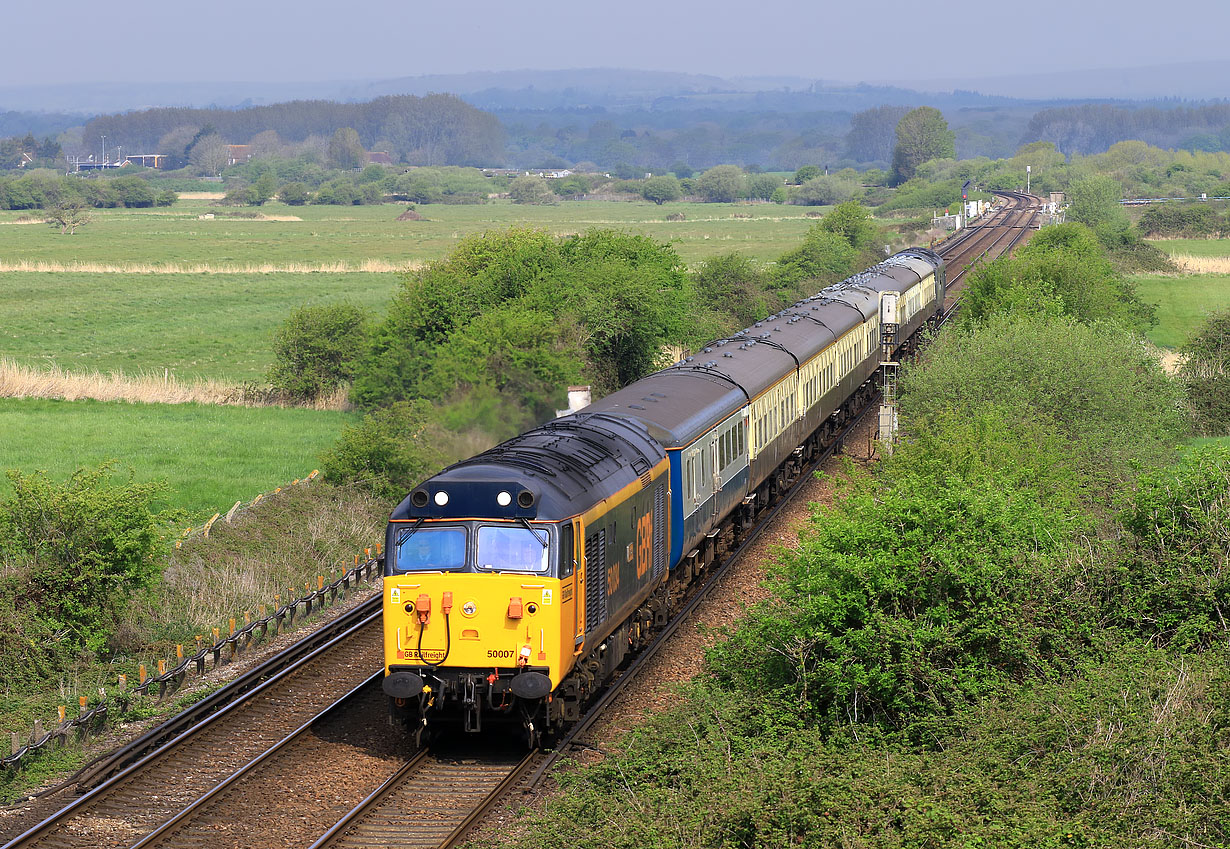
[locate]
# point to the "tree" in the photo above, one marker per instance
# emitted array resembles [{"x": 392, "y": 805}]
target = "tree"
[
  {"x": 762, "y": 186},
  {"x": 1206, "y": 374},
  {"x": 388, "y": 452},
  {"x": 294, "y": 194},
  {"x": 531, "y": 190},
  {"x": 922, "y": 135},
  {"x": 722, "y": 184},
  {"x": 852, "y": 222},
  {"x": 1094, "y": 200},
  {"x": 662, "y": 189},
  {"x": 265, "y": 187},
  {"x": 133, "y": 192},
  {"x": 345, "y": 149},
  {"x": 823, "y": 191},
  {"x": 872, "y": 133},
  {"x": 209, "y": 155},
  {"x": 68, "y": 215},
  {"x": 317, "y": 349},
  {"x": 805, "y": 173}
]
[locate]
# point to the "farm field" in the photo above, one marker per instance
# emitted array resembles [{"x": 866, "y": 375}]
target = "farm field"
[
  {"x": 210, "y": 456},
  {"x": 1182, "y": 303},
  {"x": 329, "y": 237},
  {"x": 1193, "y": 247},
  {"x": 192, "y": 325}
]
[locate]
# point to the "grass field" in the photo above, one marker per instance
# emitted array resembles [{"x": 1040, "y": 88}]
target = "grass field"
[
  {"x": 1193, "y": 247},
  {"x": 1182, "y": 303},
  {"x": 194, "y": 325},
  {"x": 326, "y": 235},
  {"x": 211, "y": 456}
]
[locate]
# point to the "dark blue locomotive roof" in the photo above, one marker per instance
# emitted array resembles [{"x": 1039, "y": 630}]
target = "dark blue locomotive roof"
[{"x": 551, "y": 472}]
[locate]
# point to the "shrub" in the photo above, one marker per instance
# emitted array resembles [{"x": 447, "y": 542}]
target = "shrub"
[
  {"x": 82, "y": 548},
  {"x": 661, "y": 189},
  {"x": 388, "y": 452},
  {"x": 1097, "y": 388},
  {"x": 1206, "y": 375},
  {"x": 1178, "y": 586},
  {"x": 823, "y": 191},
  {"x": 1174, "y": 221},
  {"x": 531, "y": 190},
  {"x": 294, "y": 194},
  {"x": 316, "y": 350}
]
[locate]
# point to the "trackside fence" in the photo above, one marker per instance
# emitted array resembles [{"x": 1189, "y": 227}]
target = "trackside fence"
[{"x": 93, "y": 715}]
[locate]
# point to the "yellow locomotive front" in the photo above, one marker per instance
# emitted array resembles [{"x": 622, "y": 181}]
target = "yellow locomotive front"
[
  {"x": 492, "y": 610},
  {"x": 478, "y": 622}
]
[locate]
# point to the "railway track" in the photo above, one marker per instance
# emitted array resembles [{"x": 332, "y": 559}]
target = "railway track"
[
  {"x": 145, "y": 793},
  {"x": 245, "y": 767}
]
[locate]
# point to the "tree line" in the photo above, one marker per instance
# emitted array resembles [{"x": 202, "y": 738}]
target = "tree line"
[{"x": 438, "y": 129}]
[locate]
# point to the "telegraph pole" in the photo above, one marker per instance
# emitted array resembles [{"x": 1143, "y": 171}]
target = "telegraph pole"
[{"x": 888, "y": 370}]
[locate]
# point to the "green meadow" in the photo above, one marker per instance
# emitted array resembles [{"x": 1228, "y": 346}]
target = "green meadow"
[
  {"x": 190, "y": 325},
  {"x": 1182, "y": 302},
  {"x": 353, "y": 234},
  {"x": 1194, "y": 247},
  {"x": 210, "y": 456}
]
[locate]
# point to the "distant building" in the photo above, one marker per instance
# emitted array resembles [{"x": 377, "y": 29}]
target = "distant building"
[
  {"x": 146, "y": 160},
  {"x": 379, "y": 157},
  {"x": 238, "y": 153}
]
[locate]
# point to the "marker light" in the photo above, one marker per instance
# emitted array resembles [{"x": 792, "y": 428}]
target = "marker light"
[
  {"x": 441, "y": 498},
  {"x": 504, "y": 499}
]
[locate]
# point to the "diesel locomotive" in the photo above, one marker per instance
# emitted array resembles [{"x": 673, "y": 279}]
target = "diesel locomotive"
[{"x": 518, "y": 581}]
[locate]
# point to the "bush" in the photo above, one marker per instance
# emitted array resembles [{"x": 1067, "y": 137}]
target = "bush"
[
  {"x": 1098, "y": 389},
  {"x": 823, "y": 258},
  {"x": 1178, "y": 587},
  {"x": 823, "y": 191},
  {"x": 294, "y": 194},
  {"x": 388, "y": 452},
  {"x": 853, "y": 223},
  {"x": 316, "y": 350},
  {"x": 1174, "y": 221},
  {"x": 531, "y": 190},
  {"x": 80, "y": 549},
  {"x": 913, "y": 598},
  {"x": 661, "y": 189},
  {"x": 1064, "y": 269},
  {"x": 733, "y": 286},
  {"x": 1206, "y": 375}
]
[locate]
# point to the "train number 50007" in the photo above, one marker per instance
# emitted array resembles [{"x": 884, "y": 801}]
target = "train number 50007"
[{"x": 499, "y": 653}]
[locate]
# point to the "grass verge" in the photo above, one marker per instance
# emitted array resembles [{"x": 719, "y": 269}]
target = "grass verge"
[
  {"x": 1183, "y": 303},
  {"x": 211, "y": 456}
]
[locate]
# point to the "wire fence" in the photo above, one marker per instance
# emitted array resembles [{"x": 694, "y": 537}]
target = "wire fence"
[
  {"x": 93, "y": 715},
  {"x": 239, "y": 507}
]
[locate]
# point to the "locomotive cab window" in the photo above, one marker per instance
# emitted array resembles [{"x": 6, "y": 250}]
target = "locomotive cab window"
[
  {"x": 512, "y": 548},
  {"x": 431, "y": 550}
]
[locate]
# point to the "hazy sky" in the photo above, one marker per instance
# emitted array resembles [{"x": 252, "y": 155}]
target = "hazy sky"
[{"x": 278, "y": 40}]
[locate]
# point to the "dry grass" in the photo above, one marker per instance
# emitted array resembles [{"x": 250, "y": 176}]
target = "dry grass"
[
  {"x": 379, "y": 266},
  {"x": 19, "y": 381},
  {"x": 1190, "y": 264},
  {"x": 284, "y": 542},
  {"x": 201, "y": 195}
]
